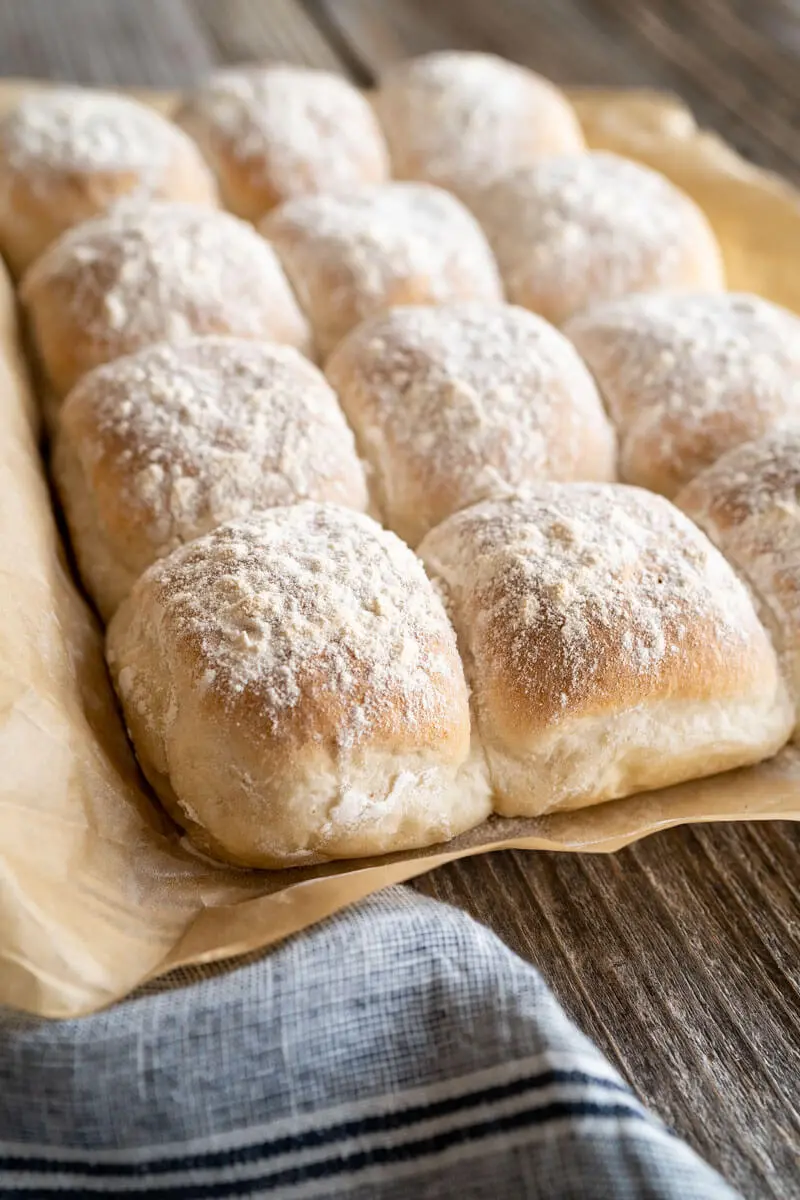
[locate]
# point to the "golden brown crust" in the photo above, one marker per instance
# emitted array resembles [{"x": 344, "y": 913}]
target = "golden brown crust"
[
  {"x": 579, "y": 229},
  {"x": 748, "y": 504},
  {"x": 687, "y": 378},
  {"x": 69, "y": 154},
  {"x": 289, "y": 611},
  {"x": 585, "y": 611},
  {"x": 596, "y": 596},
  {"x": 274, "y": 132},
  {"x": 349, "y": 256},
  {"x": 151, "y": 273},
  {"x": 159, "y": 447},
  {"x": 295, "y": 679},
  {"x": 454, "y": 404}
]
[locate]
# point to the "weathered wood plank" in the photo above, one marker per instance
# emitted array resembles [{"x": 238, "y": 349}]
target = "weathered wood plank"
[
  {"x": 661, "y": 953},
  {"x": 723, "y": 61},
  {"x": 382, "y": 32},
  {"x": 250, "y": 30},
  {"x": 564, "y": 42},
  {"x": 723, "y": 91},
  {"x": 103, "y": 42}
]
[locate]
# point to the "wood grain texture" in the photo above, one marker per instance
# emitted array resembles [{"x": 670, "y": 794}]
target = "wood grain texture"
[
  {"x": 678, "y": 956},
  {"x": 250, "y": 30},
  {"x": 735, "y": 64},
  {"x": 103, "y": 42}
]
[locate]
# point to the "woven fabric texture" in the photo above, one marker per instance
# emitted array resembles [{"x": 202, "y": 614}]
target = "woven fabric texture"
[{"x": 396, "y": 1050}]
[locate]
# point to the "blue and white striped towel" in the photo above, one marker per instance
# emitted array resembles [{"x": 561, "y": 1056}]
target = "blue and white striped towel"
[{"x": 397, "y": 1050}]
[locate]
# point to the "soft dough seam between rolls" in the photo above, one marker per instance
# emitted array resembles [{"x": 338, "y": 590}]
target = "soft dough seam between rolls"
[
  {"x": 107, "y": 580},
  {"x": 768, "y": 608},
  {"x": 650, "y": 731},
  {"x": 217, "y": 655}
]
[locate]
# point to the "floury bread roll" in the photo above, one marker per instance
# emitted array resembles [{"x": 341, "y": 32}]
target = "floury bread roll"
[
  {"x": 460, "y": 119},
  {"x": 68, "y": 154},
  {"x": 159, "y": 447},
  {"x": 610, "y": 648},
  {"x": 151, "y": 273},
  {"x": 455, "y": 404},
  {"x": 349, "y": 256},
  {"x": 747, "y": 503},
  {"x": 274, "y": 132},
  {"x": 686, "y": 378},
  {"x": 293, "y": 689},
  {"x": 583, "y": 228}
]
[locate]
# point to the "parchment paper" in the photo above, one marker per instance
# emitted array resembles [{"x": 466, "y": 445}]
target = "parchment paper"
[{"x": 98, "y": 892}]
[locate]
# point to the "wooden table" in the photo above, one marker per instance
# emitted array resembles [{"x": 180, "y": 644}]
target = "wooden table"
[{"x": 679, "y": 955}]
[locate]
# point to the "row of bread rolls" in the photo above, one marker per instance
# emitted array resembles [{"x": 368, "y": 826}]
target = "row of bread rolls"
[
  {"x": 556, "y": 238},
  {"x": 269, "y": 134},
  {"x": 449, "y": 405},
  {"x": 296, "y": 687},
  {"x": 303, "y": 151},
  {"x": 571, "y": 233}
]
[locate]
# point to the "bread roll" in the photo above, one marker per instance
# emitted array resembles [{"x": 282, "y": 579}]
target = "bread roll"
[
  {"x": 575, "y": 230},
  {"x": 349, "y": 256},
  {"x": 274, "y": 132},
  {"x": 686, "y": 378},
  {"x": 67, "y": 154},
  {"x": 608, "y": 645},
  {"x": 460, "y": 119},
  {"x": 292, "y": 686},
  {"x": 159, "y": 272},
  {"x": 157, "y": 448},
  {"x": 452, "y": 405},
  {"x": 747, "y": 503}
]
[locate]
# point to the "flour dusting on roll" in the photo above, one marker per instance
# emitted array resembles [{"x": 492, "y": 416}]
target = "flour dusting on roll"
[
  {"x": 278, "y": 131},
  {"x": 292, "y": 686},
  {"x": 452, "y": 405},
  {"x": 68, "y": 154},
  {"x": 352, "y": 255},
  {"x": 152, "y": 273},
  {"x": 609, "y": 646},
  {"x": 582, "y": 228},
  {"x": 748, "y": 504},
  {"x": 687, "y": 378},
  {"x": 159, "y": 447},
  {"x": 460, "y": 119}
]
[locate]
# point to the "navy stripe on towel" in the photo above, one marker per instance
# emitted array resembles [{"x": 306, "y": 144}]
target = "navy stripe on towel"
[
  {"x": 349, "y": 1164},
  {"x": 312, "y": 1138}
]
